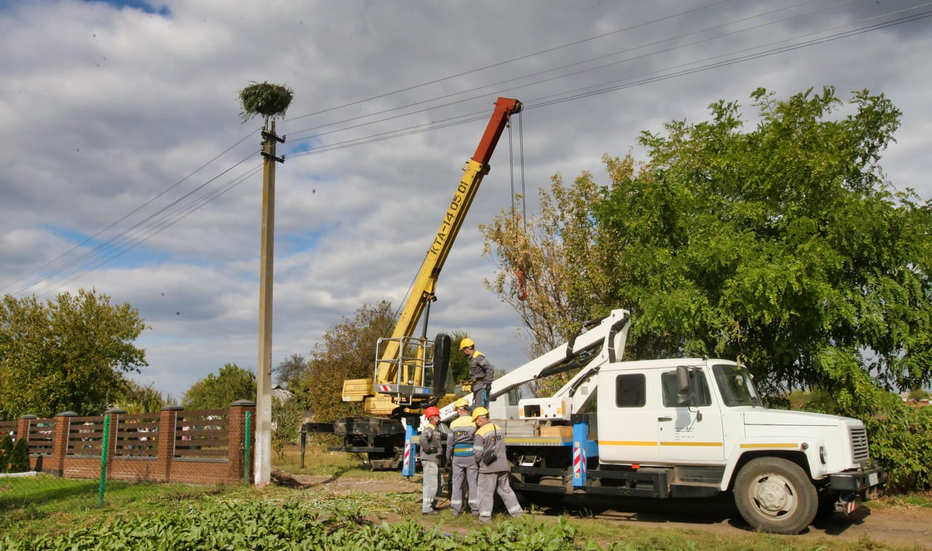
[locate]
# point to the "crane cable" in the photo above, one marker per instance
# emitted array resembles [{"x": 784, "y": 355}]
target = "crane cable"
[{"x": 519, "y": 271}]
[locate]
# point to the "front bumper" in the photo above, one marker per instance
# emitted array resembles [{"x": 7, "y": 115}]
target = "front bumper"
[{"x": 856, "y": 481}]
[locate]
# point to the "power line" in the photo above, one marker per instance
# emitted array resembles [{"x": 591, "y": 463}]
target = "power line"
[
  {"x": 563, "y": 97},
  {"x": 741, "y": 59},
  {"x": 296, "y": 134},
  {"x": 125, "y": 234},
  {"x": 408, "y": 88},
  {"x": 509, "y": 60}
]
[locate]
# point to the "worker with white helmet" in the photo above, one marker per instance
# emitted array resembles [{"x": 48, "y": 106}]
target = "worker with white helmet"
[
  {"x": 480, "y": 372},
  {"x": 430, "y": 442},
  {"x": 461, "y": 460},
  {"x": 489, "y": 452}
]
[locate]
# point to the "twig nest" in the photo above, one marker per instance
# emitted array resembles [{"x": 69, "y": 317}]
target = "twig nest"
[{"x": 266, "y": 99}]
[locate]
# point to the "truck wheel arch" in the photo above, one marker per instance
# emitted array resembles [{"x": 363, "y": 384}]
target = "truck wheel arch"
[{"x": 797, "y": 457}]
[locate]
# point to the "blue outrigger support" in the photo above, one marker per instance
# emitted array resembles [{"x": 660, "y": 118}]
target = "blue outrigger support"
[
  {"x": 583, "y": 449},
  {"x": 410, "y": 453}
]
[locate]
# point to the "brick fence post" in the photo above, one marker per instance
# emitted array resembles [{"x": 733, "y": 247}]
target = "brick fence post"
[
  {"x": 236, "y": 438},
  {"x": 60, "y": 443},
  {"x": 22, "y": 426},
  {"x": 166, "y": 443}
]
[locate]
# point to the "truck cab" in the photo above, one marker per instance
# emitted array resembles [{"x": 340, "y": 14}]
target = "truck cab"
[{"x": 700, "y": 426}]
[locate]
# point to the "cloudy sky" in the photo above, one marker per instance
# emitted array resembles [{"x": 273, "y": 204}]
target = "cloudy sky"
[{"x": 125, "y": 166}]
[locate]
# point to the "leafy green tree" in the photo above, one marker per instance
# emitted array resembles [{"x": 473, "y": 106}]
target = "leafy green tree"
[
  {"x": 783, "y": 246},
  {"x": 346, "y": 351},
  {"x": 290, "y": 371},
  {"x": 135, "y": 398},
  {"x": 218, "y": 391},
  {"x": 287, "y": 416},
  {"x": 70, "y": 353}
]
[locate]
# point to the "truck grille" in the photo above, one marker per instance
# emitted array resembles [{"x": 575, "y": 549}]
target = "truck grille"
[{"x": 859, "y": 452}]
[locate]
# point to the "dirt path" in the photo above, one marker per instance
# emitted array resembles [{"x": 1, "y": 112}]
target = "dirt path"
[{"x": 894, "y": 525}]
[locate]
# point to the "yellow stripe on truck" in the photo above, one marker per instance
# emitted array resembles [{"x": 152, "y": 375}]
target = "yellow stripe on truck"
[{"x": 788, "y": 445}]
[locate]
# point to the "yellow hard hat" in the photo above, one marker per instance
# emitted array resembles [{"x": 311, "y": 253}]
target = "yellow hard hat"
[
  {"x": 466, "y": 343},
  {"x": 461, "y": 403},
  {"x": 479, "y": 412}
]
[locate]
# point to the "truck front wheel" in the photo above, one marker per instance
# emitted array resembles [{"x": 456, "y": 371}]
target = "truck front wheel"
[{"x": 775, "y": 495}]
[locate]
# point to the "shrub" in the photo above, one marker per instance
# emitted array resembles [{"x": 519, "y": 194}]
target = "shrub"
[
  {"x": 19, "y": 457},
  {"x": 6, "y": 450}
]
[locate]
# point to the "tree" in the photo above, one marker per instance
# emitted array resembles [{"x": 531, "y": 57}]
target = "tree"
[
  {"x": 135, "y": 398},
  {"x": 346, "y": 351},
  {"x": 67, "y": 354},
  {"x": 783, "y": 246},
  {"x": 218, "y": 391},
  {"x": 287, "y": 416},
  {"x": 290, "y": 371}
]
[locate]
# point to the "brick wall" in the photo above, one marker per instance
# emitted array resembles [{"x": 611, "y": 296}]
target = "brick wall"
[{"x": 198, "y": 447}]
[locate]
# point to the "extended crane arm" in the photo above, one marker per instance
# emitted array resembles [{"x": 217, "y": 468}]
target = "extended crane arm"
[{"x": 422, "y": 290}]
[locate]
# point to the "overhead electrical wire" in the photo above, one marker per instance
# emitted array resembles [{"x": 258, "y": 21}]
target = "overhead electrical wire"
[
  {"x": 297, "y": 134},
  {"x": 461, "y": 119},
  {"x": 126, "y": 233},
  {"x": 165, "y": 224},
  {"x": 510, "y": 60},
  {"x": 371, "y": 98}
]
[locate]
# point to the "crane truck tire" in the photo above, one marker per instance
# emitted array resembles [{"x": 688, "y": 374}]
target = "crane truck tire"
[{"x": 775, "y": 495}]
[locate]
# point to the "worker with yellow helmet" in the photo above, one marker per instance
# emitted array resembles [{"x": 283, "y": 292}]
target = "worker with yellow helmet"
[
  {"x": 480, "y": 372},
  {"x": 490, "y": 455},
  {"x": 460, "y": 457}
]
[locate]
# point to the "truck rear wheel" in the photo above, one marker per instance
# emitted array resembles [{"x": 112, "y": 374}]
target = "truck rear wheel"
[{"x": 775, "y": 495}]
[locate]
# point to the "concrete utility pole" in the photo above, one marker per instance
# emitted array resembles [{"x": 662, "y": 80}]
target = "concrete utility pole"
[{"x": 263, "y": 467}]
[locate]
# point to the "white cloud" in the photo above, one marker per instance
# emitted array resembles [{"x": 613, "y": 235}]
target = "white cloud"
[{"x": 102, "y": 108}]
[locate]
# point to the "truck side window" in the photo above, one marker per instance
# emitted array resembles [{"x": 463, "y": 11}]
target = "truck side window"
[
  {"x": 629, "y": 390},
  {"x": 696, "y": 380}
]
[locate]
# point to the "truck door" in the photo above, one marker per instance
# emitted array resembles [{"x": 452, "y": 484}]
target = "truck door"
[
  {"x": 627, "y": 418},
  {"x": 689, "y": 432}
]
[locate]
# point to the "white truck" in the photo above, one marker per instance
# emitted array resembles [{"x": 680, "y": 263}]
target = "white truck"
[{"x": 684, "y": 427}]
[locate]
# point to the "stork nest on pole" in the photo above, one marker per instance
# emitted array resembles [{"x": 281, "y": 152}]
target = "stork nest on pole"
[{"x": 266, "y": 99}]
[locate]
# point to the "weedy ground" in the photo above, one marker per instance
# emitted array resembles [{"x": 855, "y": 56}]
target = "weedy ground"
[{"x": 344, "y": 505}]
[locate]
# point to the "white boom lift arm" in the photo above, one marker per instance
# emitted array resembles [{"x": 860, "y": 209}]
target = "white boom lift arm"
[{"x": 603, "y": 343}]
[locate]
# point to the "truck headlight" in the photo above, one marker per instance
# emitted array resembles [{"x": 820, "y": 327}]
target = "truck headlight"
[{"x": 823, "y": 455}]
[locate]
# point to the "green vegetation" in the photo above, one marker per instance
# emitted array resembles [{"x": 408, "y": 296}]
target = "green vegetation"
[
  {"x": 218, "y": 391},
  {"x": 51, "y": 513},
  {"x": 346, "y": 351},
  {"x": 783, "y": 246},
  {"x": 46, "y": 504},
  {"x": 266, "y": 99},
  {"x": 67, "y": 354},
  {"x": 6, "y": 453}
]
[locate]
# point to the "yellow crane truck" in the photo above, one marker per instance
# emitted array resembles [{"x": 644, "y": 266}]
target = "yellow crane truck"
[{"x": 410, "y": 371}]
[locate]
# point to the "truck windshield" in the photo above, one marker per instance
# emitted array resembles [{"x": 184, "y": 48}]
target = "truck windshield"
[{"x": 735, "y": 384}]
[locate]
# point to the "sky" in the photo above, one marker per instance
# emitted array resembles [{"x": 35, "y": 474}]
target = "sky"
[{"x": 126, "y": 167}]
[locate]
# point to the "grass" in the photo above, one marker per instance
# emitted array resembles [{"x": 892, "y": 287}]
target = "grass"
[
  {"x": 48, "y": 504},
  {"x": 319, "y": 461},
  {"x": 913, "y": 499},
  {"x": 44, "y": 505}
]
